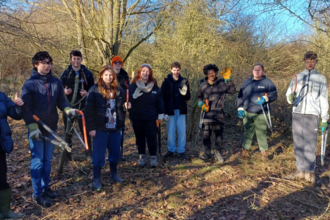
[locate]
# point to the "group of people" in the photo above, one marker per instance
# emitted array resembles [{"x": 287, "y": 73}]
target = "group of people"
[{"x": 106, "y": 102}]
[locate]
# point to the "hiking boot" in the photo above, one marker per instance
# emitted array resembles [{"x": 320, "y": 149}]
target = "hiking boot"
[
  {"x": 169, "y": 154},
  {"x": 264, "y": 155},
  {"x": 244, "y": 154},
  {"x": 206, "y": 157},
  {"x": 5, "y": 211},
  {"x": 51, "y": 194},
  {"x": 183, "y": 156},
  {"x": 96, "y": 178},
  {"x": 310, "y": 177},
  {"x": 153, "y": 161},
  {"x": 142, "y": 160},
  {"x": 43, "y": 201},
  {"x": 298, "y": 174},
  {"x": 218, "y": 156}
]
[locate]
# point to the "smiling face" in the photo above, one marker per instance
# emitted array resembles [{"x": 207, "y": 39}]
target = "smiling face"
[
  {"x": 76, "y": 61},
  {"x": 258, "y": 72},
  {"x": 145, "y": 72},
  {"x": 107, "y": 77},
  {"x": 175, "y": 72},
  {"x": 117, "y": 65},
  {"x": 211, "y": 75},
  {"x": 44, "y": 66},
  {"x": 310, "y": 64}
]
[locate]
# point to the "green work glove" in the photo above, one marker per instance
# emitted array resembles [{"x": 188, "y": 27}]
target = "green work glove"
[
  {"x": 34, "y": 131},
  {"x": 292, "y": 96},
  {"x": 324, "y": 125},
  {"x": 70, "y": 111},
  {"x": 201, "y": 103}
]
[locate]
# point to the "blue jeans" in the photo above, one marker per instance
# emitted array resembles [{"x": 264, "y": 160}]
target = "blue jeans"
[
  {"x": 103, "y": 140},
  {"x": 41, "y": 164},
  {"x": 176, "y": 122}
]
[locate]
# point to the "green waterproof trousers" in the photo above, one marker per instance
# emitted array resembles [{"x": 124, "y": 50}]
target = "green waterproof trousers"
[{"x": 255, "y": 123}]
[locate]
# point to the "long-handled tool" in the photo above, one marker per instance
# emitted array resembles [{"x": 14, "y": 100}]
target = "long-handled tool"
[
  {"x": 268, "y": 120},
  {"x": 324, "y": 144},
  {"x": 201, "y": 120},
  {"x": 158, "y": 124},
  {"x": 122, "y": 142},
  {"x": 61, "y": 142}
]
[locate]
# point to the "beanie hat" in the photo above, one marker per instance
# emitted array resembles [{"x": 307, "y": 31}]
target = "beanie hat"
[{"x": 116, "y": 58}]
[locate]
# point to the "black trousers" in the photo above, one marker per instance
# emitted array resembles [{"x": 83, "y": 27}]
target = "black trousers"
[
  {"x": 3, "y": 171},
  {"x": 68, "y": 137},
  {"x": 145, "y": 132},
  {"x": 208, "y": 128}
]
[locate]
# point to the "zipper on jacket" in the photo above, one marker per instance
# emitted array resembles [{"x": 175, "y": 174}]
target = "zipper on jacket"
[
  {"x": 48, "y": 102},
  {"x": 309, "y": 73}
]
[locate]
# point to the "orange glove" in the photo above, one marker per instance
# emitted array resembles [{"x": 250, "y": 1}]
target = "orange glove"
[
  {"x": 205, "y": 108},
  {"x": 226, "y": 73}
]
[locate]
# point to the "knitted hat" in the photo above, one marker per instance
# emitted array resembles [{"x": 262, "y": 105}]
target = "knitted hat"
[{"x": 116, "y": 58}]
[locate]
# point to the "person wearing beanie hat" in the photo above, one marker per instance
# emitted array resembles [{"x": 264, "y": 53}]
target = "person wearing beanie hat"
[
  {"x": 211, "y": 99},
  {"x": 123, "y": 81},
  {"x": 310, "y": 106}
]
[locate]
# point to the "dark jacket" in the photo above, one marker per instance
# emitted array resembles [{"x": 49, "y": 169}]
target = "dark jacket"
[
  {"x": 251, "y": 90},
  {"x": 148, "y": 105},
  {"x": 168, "y": 93},
  {"x": 216, "y": 94},
  {"x": 122, "y": 78},
  {"x": 96, "y": 107},
  {"x": 43, "y": 94},
  {"x": 68, "y": 77},
  {"x": 7, "y": 108}
]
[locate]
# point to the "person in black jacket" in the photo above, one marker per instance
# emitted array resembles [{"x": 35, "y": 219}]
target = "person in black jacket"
[
  {"x": 12, "y": 109},
  {"x": 176, "y": 93},
  {"x": 147, "y": 106},
  {"x": 123, "y": 80},
  {"x": 105, "y": 119},
  {"x": 76, "y": 81},
  {"x": 43, "y": 93},
  {"x": 250, "y": 109},
  {"x": 214, "y": 90}
]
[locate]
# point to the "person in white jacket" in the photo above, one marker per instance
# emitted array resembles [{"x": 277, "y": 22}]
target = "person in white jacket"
[{"x": 310, "y": 105}]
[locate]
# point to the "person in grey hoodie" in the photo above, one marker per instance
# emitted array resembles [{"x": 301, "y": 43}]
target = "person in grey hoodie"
[{"x": 310, "y": 105}]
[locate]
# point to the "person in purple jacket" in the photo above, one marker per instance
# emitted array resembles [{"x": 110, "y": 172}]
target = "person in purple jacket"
[{"x": 42, "y": 93}]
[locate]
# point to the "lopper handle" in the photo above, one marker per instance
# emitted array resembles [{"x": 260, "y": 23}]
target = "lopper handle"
[
  {"x": 84, "y": 128},
  {"x": 36, "y": 118},
  {"x": 207, "y": 102}
]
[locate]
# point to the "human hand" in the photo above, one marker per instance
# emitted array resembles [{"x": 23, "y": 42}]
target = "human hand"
[
  {"x": 241, "y": 114},
  {"x": 226, "y": 73},
  {"x": 201, "y": 103},
  {"x": 183, "y": 90},
  {"x": 67, "y": 91},
  {"x": 127, "y": 105},
  {"x": 205, "y": 108},
  {"x": 92, "y": 133},
  {"x": 34, "y": 131},
  {"x": 166, "y": 118},
  {"x": 83, "y": 93},
  {"x": 262, "y": 100},
  {"x": 70, "y": 112},
  {"x": 18, "y": 101},
  {"x": 324, "y": 126},
  {"x": 292, "y": 96}
]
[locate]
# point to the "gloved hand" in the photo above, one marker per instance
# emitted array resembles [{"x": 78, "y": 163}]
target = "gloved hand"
[
  {"x": 205, "y": 108},
  {"x": 292, "y": 96},
  {"x": 262, "y": 100},
  {"x": 137, "y": 93},
  {"x": 241, "y": 114},
  {"x": 184, "y": 89},
  {"x": 166, "y": 118},
  {"x": 201, "y": 103},
  {"x": 70, "y": 112},
  {"x": 34, "y": 131},
  {"x": 226, "y": 73},
  {"x": 160, "y": 117},
  {"x": 324, "y": 125}
]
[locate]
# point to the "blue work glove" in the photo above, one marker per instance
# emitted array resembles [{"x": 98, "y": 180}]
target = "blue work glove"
[
  {"x": 201, "y": 103},
  {"x": 261, "y": 101},
  {"x": 324, "y": 125},
  {"x": 241, "y": 114}
]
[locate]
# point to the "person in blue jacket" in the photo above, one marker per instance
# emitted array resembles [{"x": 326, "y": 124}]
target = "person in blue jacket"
[
  {"x": 42, "y": 93},
  {"x": 105, "y": 119},
  {"x": 250, "y": 109},
  {"x": 147, "y": 106},
  {"x": 12, "y": 109}
]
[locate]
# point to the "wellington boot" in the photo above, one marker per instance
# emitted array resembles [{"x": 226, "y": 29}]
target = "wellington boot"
[
  {"x": 142, "y": 160},
  {"x": 5, "y": 211},
  {"x": 113, "y": 171},
  {"x": 153, "y": 161},
  {"x": 96, "y": 178}
]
